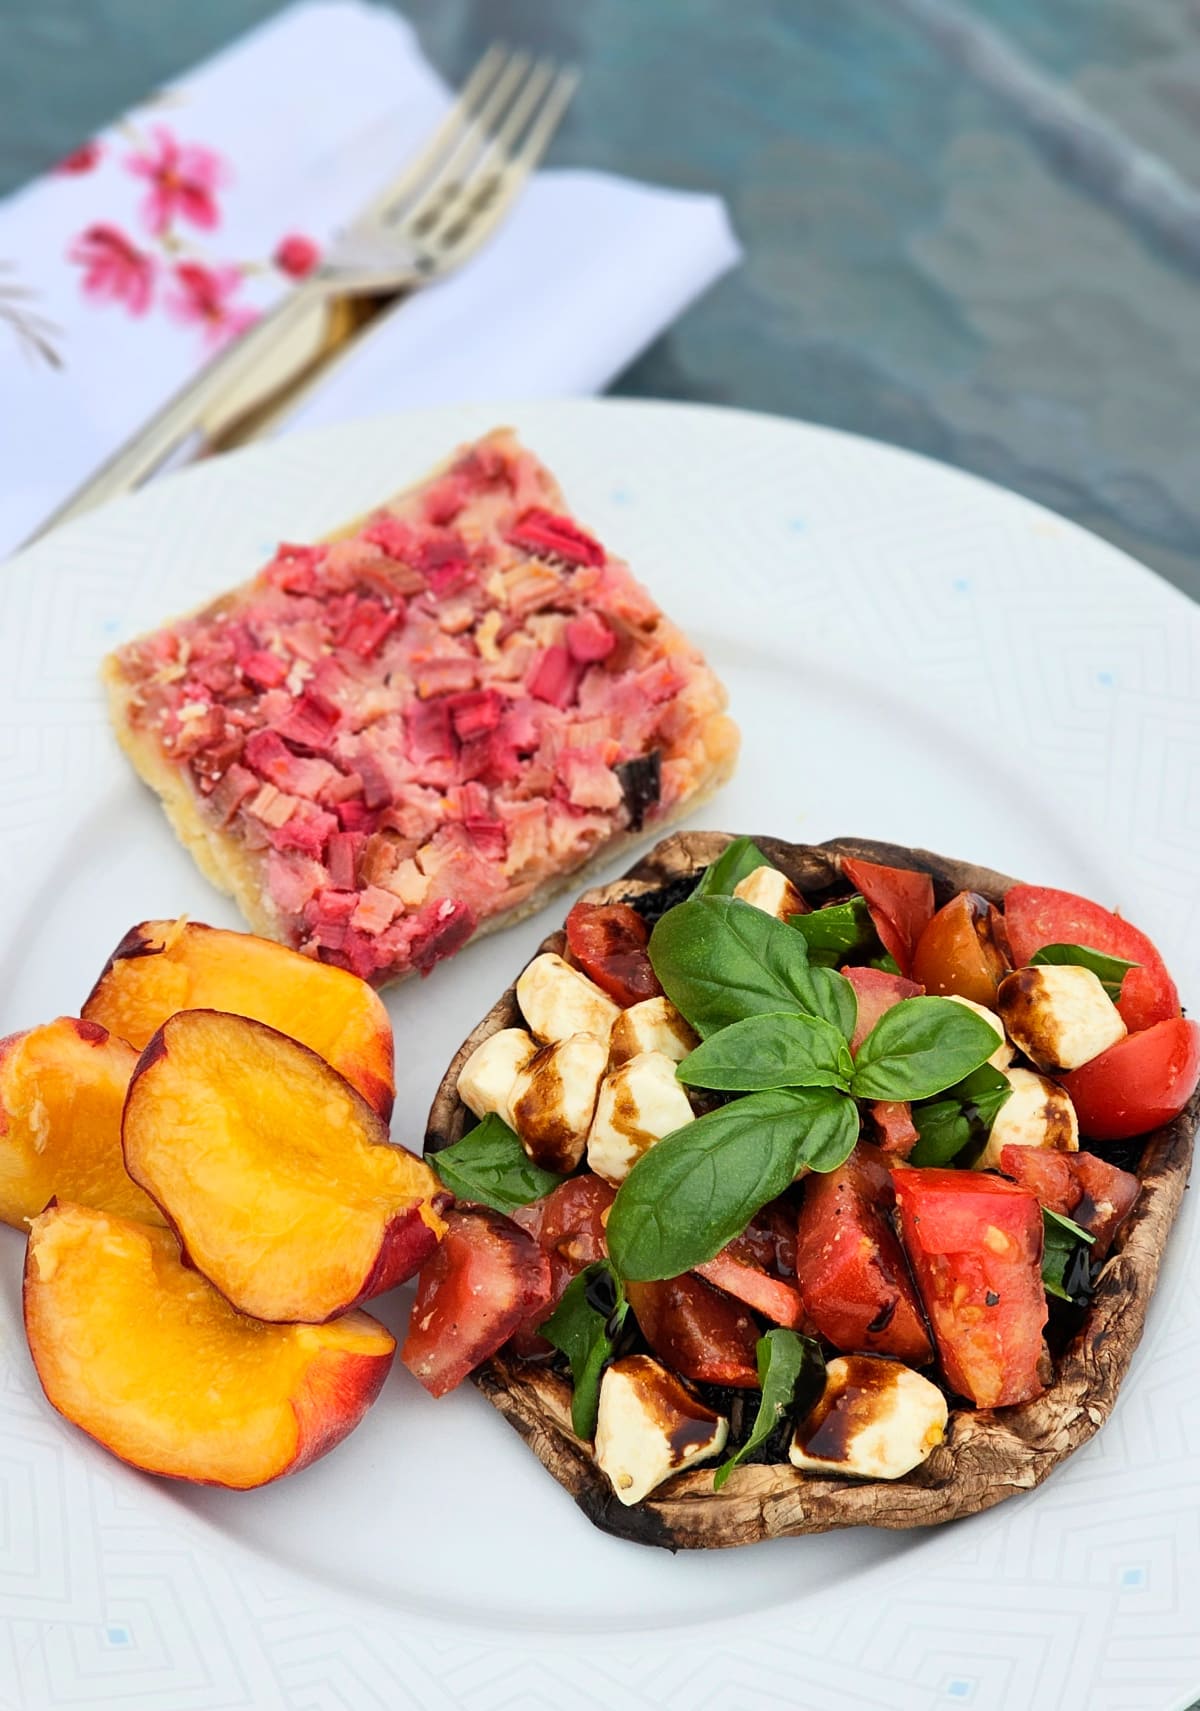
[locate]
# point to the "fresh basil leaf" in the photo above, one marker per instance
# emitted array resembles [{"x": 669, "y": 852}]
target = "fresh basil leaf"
[
  {"x": 1066, "y": 1270},
  {"x": 698, "y": 1188},
  {"x": 964, "y": 1113},
  {"x": 836, "y": 932},
  {"x": 720, "y": 960},
  {"x": 920, "y": 1047},
  {"x": 780, "y": 1049},
  {"x": 584, "y": 1327},
  {"x": 1109, "y": 970},
  {"x": 490, "y": 1166},
  {"x": 791, "y": 1369},
  {"x": 739, "y": 859}
]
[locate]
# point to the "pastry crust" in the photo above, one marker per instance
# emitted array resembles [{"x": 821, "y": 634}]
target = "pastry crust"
[{"x": 987, "y": 1455}]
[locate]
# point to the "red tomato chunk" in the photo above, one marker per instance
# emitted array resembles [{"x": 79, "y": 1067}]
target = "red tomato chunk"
[
  {"x": 608, "y": 941},
  {"x": 975, "y": 1243},
  {"x": 697, "y": 1330},
  {"x": 1139, "y": 1084},
  {"x": 568, "y": 1226},
  {"x": 900, "y": 901},
  {"x": 962, "y": 951},
  {"x": 1087, "y": 1189},
  {"x": 1035, "y": 916}
]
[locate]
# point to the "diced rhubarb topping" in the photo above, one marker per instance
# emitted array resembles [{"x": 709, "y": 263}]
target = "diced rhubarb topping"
[
  {"x": 367, "y": 625},
  {"x": 475, "y": 713},
  {"x": 442, "y": 929},
  {"x": 264, "y": 670},
  {"x": 340, "y": 859},
  {"x": 310, "y": 723},
  {"x": 589, "y": 638},
  {"x": 430, "y": 731},
  {"x": 555, "y": 677},
  {"x": 541, "y": 532}
]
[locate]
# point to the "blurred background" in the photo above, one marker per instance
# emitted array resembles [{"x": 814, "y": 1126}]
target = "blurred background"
[{"x": 971, "y": 227}]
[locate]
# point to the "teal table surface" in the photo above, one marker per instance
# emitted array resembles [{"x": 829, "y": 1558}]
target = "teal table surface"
[{"x": 972, "y": 227}]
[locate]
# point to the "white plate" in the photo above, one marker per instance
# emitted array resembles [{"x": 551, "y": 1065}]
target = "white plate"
[{"x": 912, "y": 655}]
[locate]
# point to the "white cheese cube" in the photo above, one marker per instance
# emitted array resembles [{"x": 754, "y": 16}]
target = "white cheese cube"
[
  {"x": 772, "y": 892},
  {"x": 1003, "y": 1054},
  {"x": 1039, "y": 1113},
  {"x": 486, "y": 1080},
  {"x": 649, "y": 1427},
  {"x": 876, "y": 1419},
  {"x": 654, "y": 1025},
  {"x": 553, "y": 1099},
  {"x": 639, "y": 1103},
  {"x": 557, "y": 1001},
  {"x": 1060, "y": 1016}
]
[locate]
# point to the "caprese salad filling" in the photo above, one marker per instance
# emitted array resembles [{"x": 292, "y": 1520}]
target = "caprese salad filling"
[{"x": 781, "y": 1183}]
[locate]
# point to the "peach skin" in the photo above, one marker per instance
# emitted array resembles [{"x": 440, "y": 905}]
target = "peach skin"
[
  {"x": 160, "y": 967},
  {"x": 62, "y": 1087},
  {"x": 279, "y": 1179},
  {"x": 147, "y": 1358}
]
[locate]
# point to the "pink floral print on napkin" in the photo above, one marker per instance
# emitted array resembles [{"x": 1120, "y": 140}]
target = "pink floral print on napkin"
[
  {"x": 183, "y": 179},
  {"x": 204, "y": 296},
  {"x": 114, "y": 269}
]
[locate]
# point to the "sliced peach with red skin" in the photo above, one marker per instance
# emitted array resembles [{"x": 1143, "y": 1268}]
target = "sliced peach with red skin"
[
  {"x": 277, "y": 1176},
  {"x": 161, "y": 967},
  {"x": 143, "y": 1355},
  {"x": 62, "y": 1087}
]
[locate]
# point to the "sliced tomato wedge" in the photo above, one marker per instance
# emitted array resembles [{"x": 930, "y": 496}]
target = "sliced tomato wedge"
[
  {"x": 697, "y": 1330},
  {"x": 741, "y": 1270},
  {"x": 568, "y": 1225},
  {"x": 895, "y": 1131},
  {"x": 1139, "y": 1084},
  {"x": 962, "y": 952},
  {"x": 486, "y": 1277},
  {"x": 975, "y": 1243},
  {"x": 1094, "y": 1193},
  {"x": 900, "y": 901},
  {"x": 608, "y": 941},
  {"x": 851, "y": 1271},
  {"x": 876, "y": 991},
  {"x": 1035, "y": 916}
]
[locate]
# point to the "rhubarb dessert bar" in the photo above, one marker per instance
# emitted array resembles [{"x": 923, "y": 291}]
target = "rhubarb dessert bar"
[{"x": 392, "y": 740}]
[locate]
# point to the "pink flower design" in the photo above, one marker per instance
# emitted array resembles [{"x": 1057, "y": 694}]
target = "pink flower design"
[
  {"x": 296, "y": 255},
  {"x": 80, "y": 160},
  {"x": 203, "y": 295},
  {"x": 183, "y": 178},
  {"x": 115, "y": 270}
]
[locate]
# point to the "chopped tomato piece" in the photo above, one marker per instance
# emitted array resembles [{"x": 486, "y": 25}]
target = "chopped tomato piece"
[
  {"x": 876, "y": 991},
  {"x": 896, "y": 1131},
  {"x": 1035, "y": 916},
  {"x": 608, "y": 941},
  {"x": 568, "y": 1226},
  {"x": 1139, "y": 1084},
  {"x": 741, "y": 1270},
  {"x": 850, "y": 1268},
  {"x": 975, "y": 1243},
  {"x": 486, "y": 1277},
  {"x": 1087, "y": 1189},
  {"x": 697, "y": 1330},
  {"x": 962, "y": 953},
  {"x": 900, "y": 901}
]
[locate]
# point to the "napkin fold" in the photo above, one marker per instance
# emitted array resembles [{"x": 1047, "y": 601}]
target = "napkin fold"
[{"x": 125, "y": 268}]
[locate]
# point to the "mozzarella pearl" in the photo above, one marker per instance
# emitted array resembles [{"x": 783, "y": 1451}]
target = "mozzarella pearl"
[
  {"x": 649, "y": 1427},
  {"x": 486, "y": 1080},
  {"x": 876, "y": 1419},
  {"x": 1038, "y": 1113},
  {"x": 557, "y": 1001},
  {"x": 1060, "y": 1016},
  {"x": 1003, "y": 1054},
  {"x": 654, "y": 1025},
  {"x": 771, "y": 891},
  {"x": 553, "y": 1099},
  {"x": 639, "y": 1103}
]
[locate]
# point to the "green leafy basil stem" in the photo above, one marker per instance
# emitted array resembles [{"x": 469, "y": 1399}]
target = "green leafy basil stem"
[
  {"x": 837, "y": 931},
  {"x": 920, "y": 1047},
  {"x": 1109, "y": 970},
  {"x": 735, "y": 863},
  {"x": 584, "y": 1327},
  {"x": 962, "y": 1115},
  {"x": 490, "y": 1166},
  {"x": 780, "y": 1049},
  {"x": 1063, "y": 1255},
  {"x": 791, "y": 1372},
  {"x": 698, "y": 1188}
]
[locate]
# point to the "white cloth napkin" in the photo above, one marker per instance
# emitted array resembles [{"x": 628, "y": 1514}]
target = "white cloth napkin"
[{"x": 133, "y": 261}]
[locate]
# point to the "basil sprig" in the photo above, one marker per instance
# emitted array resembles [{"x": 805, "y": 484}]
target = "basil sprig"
[
  {"x": 735, "y": 863},
  {"x": 836, "y": 932},
  {"x": 1066, "y": 1269},
  {"x": 920, "y": 1047},
  {"x": 964, "y": 1113},
  {"x": 490, "y": 1166},
  {"x": 1109, "y": 970},
  {"x": 720, "y": 960},
  {"x": 780, "y": 1049},
  {"x": 697, "y": 1189},
  {"x": 584, "y": 1327},
  {"x": 791, "y": 1372}
]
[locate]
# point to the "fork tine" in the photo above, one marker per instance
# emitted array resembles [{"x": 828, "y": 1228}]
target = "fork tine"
[
  {"x": 420, "y": 215},
  {"x": 547, "y": 121}
]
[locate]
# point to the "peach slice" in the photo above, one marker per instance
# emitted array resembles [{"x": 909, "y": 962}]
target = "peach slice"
[
  {"x": 62, "y": 1087},
  {"x": 147, "y": 1358},
  {"x": 278, "y": 1178},
  {"x": 160, "y": 967}
]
